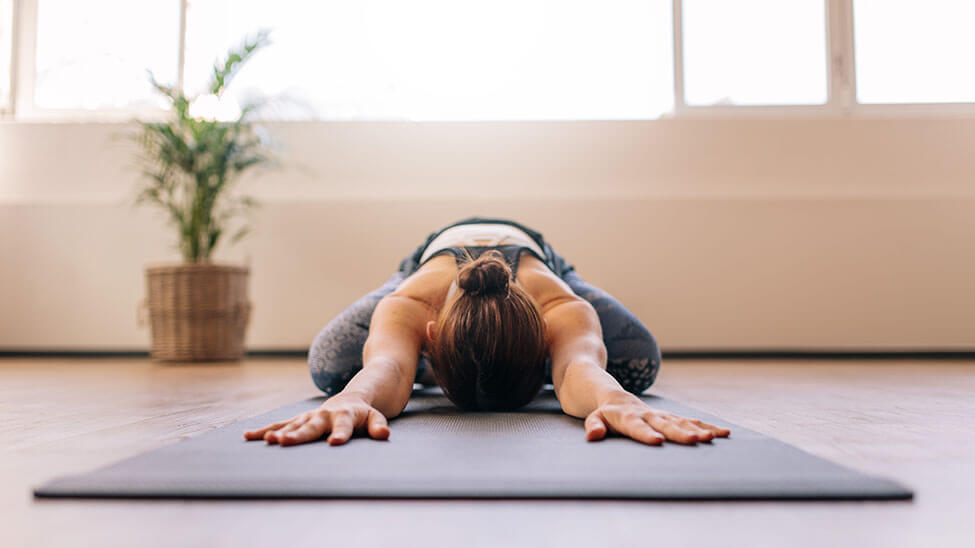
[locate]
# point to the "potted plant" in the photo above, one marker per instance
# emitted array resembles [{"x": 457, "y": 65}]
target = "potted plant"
[{"x": 199, "y": 310}]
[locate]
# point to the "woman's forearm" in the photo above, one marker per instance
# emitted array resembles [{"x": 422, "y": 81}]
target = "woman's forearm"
[
  {"x": 382, "y": 384},
  {"x": 586, "y": 386}
]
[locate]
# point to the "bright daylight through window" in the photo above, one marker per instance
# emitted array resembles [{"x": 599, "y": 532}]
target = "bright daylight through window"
[
  {"x": 914, "y": 52},
  {"x": 93, "y": 54},
  {"x": 754, "y": 52},
  {"x": 447, "y": 60}
]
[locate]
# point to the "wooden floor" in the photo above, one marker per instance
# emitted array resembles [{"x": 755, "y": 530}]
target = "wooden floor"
[{"x": 911, "y": 420}]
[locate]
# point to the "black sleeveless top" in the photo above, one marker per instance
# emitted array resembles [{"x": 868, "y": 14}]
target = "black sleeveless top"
[{"x": 511, "y": 252}]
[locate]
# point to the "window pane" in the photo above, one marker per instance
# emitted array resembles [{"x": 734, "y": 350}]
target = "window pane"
[
  {"x": 914, "y": 52},
  {"x": 94, "y": 54},
  {"x": 754, "y": 52},
  {"x": 6, "y": 15},
  {"x": 444, "y": 59}
]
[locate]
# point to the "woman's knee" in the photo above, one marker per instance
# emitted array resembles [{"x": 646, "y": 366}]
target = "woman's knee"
[
  {"x": 633, "y": 357},
  {"x": 336, "y": 355},
  {"x": 634, "y": 360},
  {"x": 633, "y": 353}
]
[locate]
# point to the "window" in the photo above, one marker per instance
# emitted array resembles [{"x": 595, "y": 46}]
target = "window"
[
  {"x": 497, "y": 60},
  {"x": 445, "y": 60},
  {"x": 754, "y": 52},
  {"x": 914, "y": 52},
  {"x": 6, "y": 42},
  {"x": 79, "y": 64}
]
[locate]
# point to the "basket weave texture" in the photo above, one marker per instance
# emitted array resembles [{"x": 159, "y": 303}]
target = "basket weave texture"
[{"x": 197, "y": 312}]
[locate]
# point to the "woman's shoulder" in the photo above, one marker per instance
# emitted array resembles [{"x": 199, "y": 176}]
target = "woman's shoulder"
[
  {"x": 542, "y": 284},
  {"x": 430, "y": 282}
]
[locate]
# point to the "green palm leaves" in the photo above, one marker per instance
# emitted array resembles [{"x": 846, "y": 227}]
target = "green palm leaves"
[{"x": 191, "y": 160}]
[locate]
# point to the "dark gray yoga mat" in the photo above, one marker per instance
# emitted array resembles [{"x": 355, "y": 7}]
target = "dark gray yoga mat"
[{"x": 436, "y": 451}]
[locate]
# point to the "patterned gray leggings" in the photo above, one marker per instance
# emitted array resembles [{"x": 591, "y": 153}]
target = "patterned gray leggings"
[{"x": 633, "y": 355}]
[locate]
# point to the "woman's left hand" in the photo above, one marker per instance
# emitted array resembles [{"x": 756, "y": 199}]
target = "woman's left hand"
[{"x": 630, "y": 416}]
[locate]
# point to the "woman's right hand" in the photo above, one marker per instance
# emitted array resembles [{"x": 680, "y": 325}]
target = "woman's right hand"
[{"x": 340, "y": 416}]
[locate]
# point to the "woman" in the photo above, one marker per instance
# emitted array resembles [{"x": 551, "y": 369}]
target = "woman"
[{"x": 488, "y": 311}]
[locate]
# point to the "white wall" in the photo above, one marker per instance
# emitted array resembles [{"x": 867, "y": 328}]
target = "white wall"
[{"x": 718, "y": 234}]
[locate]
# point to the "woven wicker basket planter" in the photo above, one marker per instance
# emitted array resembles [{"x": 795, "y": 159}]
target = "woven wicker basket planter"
[{"x": 197, "y": 312}]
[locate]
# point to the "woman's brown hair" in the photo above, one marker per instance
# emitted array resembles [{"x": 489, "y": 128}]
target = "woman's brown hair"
[{"x": 489, "y": 349}]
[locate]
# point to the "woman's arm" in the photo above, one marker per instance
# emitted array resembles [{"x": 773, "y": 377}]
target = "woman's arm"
[
  {"x": 380, "y": 390},
  {"x": 391, "y": 353},
  {"x": 586, "y": 390}
]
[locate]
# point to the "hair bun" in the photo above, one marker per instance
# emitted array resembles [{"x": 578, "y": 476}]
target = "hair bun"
[{"x": 487, "y": 275}]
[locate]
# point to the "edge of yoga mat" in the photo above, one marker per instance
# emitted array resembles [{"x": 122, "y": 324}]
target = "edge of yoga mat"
[{"x": 139, "y": 477}]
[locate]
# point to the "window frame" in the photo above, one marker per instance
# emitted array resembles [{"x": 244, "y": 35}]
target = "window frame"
[
  {"x": 840, "y": 79},
  {"x": 6, "y": 107}
]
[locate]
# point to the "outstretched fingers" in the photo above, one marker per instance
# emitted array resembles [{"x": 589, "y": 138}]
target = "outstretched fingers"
[
  {"x": 340, "y": 417},
  {"x": 672, "y": 427},
  {"x": 258, "y": 434},
  {"x": 599, "y": 423},
  {"x": 718, "y": 431},
  {"x": 596, "y": 428},
  {"x": 377, "y": 426},
  {"x": 278, "y": 436},
  {"x": 682, "y": 429},
  {"x": 636, "y": 428},
  {"x": 343, "y": 426},
  {"x": 313, "y": 429}
]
